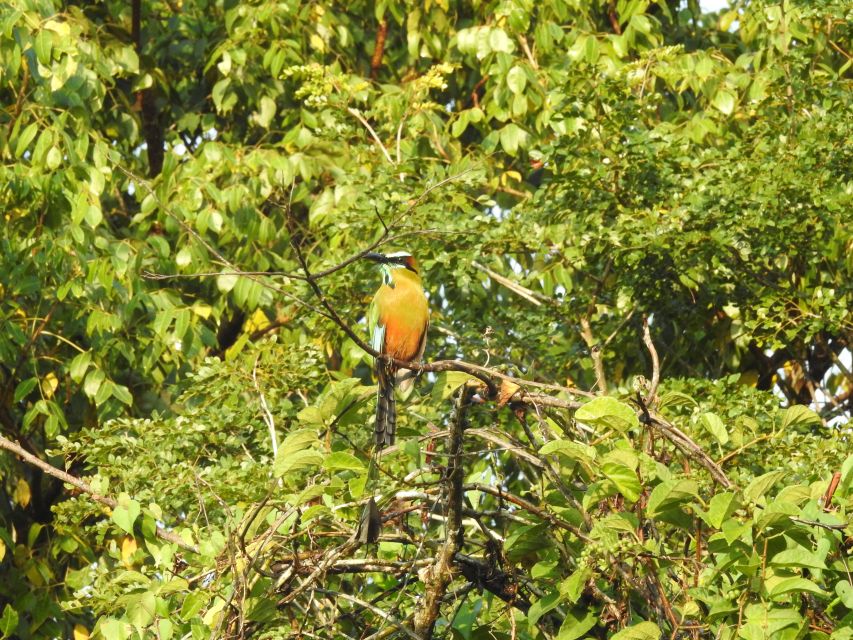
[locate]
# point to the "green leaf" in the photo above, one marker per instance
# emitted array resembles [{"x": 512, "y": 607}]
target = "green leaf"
[
  {"x": 543, "y": 605},
  {"x": 93, "y": 382},
  {"x": 845, "y": 591},
  {"x": 113, "y": 629},
  {"x": 265, "y": 113},
  {"x": 193, "y": 603},
  {"x": 625, "y": 479},
  {"x": 25, "y": 138},
  {"x": 576, "y": 624},
  {"x": 499, "y": 41},
  {"x": 126, "y": 513},
  {"x": 721, "y": 506},
  {"x": 756, "y": 489},
  {"x": 24, "y": 387},
  {"x": 356, "y": 485},
  {"x": 122, "y": 394},
  {"x": 447, "y": 382},
  {"x": 607, "y": 413},
  {"x": 570, "y": 449},
  {"x": 724, "y": 101},
  {"x": 797, "y": 557},
  {"x": 79, "y": 365},
  {"x": 343, "y": 460},
  {"x": 295, "y": 461},
  {"x": 795, "y": 585},
  {"x": 715, "y": 426},
  {"x": 642, "y": 631},
  {"x": 141, "y": 609},
  {"x": 670, "y": 492},
  {"x": 9, "y": 621},
  {"x": 512, "y": 137},
  {"x": 516, "y": 79},
  {"x": 573, "y": 586},
  {"x": 799, "y": 415}
]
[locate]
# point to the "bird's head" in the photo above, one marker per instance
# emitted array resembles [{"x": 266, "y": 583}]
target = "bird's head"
[{"x": 397, "y": 260}]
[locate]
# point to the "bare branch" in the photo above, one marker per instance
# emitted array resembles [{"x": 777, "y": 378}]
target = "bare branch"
[
  {"x": 647, "y": 339},
  {"x": 524, "y": 292},
  {"x": 371, "y": 607},
  {"x": 112, "y": 503},
  {"x": 357, "y": 114},
  {"x": 438, "y": 576},
  {"x": 690, "y": 448}
]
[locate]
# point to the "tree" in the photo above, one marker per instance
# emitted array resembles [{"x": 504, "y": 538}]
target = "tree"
[{"x": 633, "y": 221}]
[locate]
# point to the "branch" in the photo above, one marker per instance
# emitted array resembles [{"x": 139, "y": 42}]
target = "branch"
[
  {"x": 690, "y": 448},
  {"x": 527, "y": 506},
  {"x": 186, "y": 227},
  {"x": 525, "y": 46},
  {"x": 493, "y": 580},
  {"x": 363, "y": 120},
  {"x": 595, "y": 353},
  {"x": 524, "y": 292},
  {"x": 371, "y": 607},
  {"x": 647, "y": 339},
  {"x": 378, "y": 49},
  {"x": 439, "y": 575},
  {"x": 112, "y": 503}
]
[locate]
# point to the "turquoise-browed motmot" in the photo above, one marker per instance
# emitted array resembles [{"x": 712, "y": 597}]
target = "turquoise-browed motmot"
[{"x": 398, "y": 320}]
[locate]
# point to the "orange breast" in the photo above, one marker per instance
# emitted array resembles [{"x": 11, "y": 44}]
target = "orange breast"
[{"x": 405, "y": 314}]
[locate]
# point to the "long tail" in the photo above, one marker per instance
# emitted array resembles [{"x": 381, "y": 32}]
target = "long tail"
[{"x": 386, "y": 408}]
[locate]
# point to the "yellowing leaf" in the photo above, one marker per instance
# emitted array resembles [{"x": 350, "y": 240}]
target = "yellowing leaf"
[
  {"x": 128, "y": 548},
  {"x": 507, "y": 391},
  {"x": 49, "y": 384},
  {"x": 80, "y": 632},
  {"x": 257, "y": 321},
  {"x": 22, "y": 493}
]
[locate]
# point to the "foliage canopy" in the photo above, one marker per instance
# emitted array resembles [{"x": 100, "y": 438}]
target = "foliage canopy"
[{"x": 570, "y": 175}]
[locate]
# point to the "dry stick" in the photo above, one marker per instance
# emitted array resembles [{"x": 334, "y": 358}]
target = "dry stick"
[
  {"x": 830, "y": 490},
  {"x": 386, "y": 235},
  {"x": 112, "y": 503},
  {"x": 268, "y": 419},
  {"x": 647, "y": 339},
  {"x": 439, "y": 575}
]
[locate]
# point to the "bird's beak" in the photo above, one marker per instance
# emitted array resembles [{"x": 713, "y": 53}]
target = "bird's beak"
[{"x": 376, "y": 257}]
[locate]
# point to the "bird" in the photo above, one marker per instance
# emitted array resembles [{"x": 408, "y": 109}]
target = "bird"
[{"x": 398, "y": 320}]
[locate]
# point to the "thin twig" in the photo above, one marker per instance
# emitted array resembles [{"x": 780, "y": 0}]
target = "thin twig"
[
  {"x": 357, "y": 114},
  {"x": 527, "y": 506},
  {"x": 371, "y": 607},
  {"x": 524, "y": 292},
  {"x": 268, "y": 418}
]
